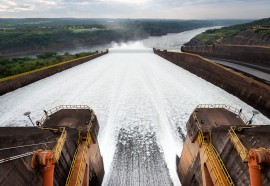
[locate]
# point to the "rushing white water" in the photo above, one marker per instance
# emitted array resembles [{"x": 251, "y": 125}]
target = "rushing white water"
[
  {"x": 174, "y": 41},
  {"x": 171, "y": 41},
  {"x": 141, "y": 101}
]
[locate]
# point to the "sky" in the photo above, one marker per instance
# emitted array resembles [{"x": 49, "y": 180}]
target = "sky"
[{"x": 167, "y": 9}]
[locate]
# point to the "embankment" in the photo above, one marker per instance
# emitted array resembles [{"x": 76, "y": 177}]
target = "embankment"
[
  {"x": 247, "y": 89},
  {"x": 246, "y": 53},
  {"x": 17, "y": 81}
]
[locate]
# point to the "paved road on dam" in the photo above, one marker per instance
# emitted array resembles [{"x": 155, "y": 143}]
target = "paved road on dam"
[
  {"x": 141, "y": 102},
  {"x": 255, "y": 70}
]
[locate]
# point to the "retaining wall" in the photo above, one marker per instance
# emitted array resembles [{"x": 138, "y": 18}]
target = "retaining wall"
[
  {"x": 246, "y": 53},
  {"x": 254, "y": 93},
  {"x": 17, "y": 81}
]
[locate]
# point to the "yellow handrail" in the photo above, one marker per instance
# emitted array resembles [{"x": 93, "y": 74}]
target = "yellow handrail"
[
  {"x": 210, "y": 152},
  {"x": 57, "y": 149},
  {"x": 224, "y": 170},
  {"x": 210, "y": 158},
  {"x": 194, "y": 115},
  {"x": 241, "y": 149},
  {"x": 82, "y": 163},
  {"x": 72, "y": 165}
]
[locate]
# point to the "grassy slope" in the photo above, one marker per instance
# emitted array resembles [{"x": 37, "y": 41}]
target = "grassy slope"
[
  {"x": 210, "y": 36},
  {"x": 9, "y": 67}
]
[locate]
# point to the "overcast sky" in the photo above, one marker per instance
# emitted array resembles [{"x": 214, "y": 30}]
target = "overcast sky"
[{"x": 176, "y": 9}]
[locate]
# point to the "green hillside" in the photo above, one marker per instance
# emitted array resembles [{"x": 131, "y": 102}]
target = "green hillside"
[{"x": 209, "y": 37}]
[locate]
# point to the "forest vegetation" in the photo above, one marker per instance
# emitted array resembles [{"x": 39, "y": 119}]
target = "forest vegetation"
[
  {"x": 9, "y": 67},
  {"x": 211, "y": 36}
]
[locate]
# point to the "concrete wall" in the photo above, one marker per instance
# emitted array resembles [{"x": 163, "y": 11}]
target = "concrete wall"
[
  {"x": 246, "y": 53},
  {"x": 189, "y": 162},
  {"x": 247, "y": 89},
  {"x": 96, "y": 165},
  {"x": 19, "y": 171},
  {"x": 14, "y": 82}
]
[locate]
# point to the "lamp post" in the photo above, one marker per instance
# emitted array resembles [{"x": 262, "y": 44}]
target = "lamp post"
[
  {"x": 255, "y": 112},
  {"x": 28, "y": 115}
]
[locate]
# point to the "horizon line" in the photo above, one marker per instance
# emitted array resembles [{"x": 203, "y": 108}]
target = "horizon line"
[{"x": 129, "y": 18}]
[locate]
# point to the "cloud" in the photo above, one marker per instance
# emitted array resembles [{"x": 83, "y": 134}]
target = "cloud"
[
  {"x": 9, "y": 2},
  {"x": 26, "y": 5},
  {"x": 127, "y": 1},
  {"x": 179, "y": 9}
]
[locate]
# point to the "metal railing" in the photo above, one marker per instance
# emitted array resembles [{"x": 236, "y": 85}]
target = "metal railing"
[
  {"x": 210, "y": 152},
  {"x": 82, "y": 163},
  {"x": 211, "y": 160},
  {"x": 83, "y": 160},
  {"x": 227, "y": 107},
  {"x": 72, "y": 165},
  {"x": 221, "y": 164},
  {"x": 241, "y": 149},
  {"x": 57, "y": 149},
  {"x": 16, "y": 157},
  {"x": 215, "y": 159},
  {"x": 194, "y": 115},
  {"x": 61, "y": 107}
]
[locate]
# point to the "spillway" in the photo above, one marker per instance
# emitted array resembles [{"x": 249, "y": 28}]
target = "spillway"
[{"x": 142, "y": 103}]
